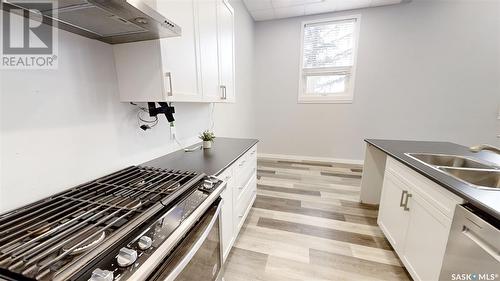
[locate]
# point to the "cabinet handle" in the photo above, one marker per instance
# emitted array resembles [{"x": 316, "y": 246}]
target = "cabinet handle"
[
  {"x": 242, "y": 163},
  {"x": 169, "y": 75},
  {"x": 406, "y": 202},
  {"x": 223, "y": 92},
  {"x": 401, "y": 204}
]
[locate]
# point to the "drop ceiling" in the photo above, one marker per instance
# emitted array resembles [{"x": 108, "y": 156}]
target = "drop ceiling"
[{"x": 277, "y": 9}]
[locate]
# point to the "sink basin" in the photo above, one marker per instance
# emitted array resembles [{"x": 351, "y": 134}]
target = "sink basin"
[
  {"x": 485, "y": 179},
  {"x": 450, "y": 161}
]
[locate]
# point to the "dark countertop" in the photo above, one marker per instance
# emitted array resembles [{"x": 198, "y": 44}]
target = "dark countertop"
[
  {"x": 486, "y": 200},
  {"x": 211, "y": 161}
]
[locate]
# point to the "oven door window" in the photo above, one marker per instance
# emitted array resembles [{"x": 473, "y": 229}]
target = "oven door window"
[{"x": 198, "y": 256}]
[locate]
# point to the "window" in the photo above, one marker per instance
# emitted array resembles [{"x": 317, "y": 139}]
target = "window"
[{"x": 328, "y": 60}]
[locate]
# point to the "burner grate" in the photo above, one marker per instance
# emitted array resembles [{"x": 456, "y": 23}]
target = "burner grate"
[{"x": 42, "y": 238}]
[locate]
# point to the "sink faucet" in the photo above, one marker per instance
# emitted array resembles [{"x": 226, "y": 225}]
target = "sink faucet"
[{"x": 481, "y": 147}]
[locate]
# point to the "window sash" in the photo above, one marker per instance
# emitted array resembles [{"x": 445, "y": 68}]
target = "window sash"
[
  {"x": 327, "y": 70},
  {"x": 347, "y": 95},
  {"x": 347, "y": 86},
  {"x": 319, "y": 49}
]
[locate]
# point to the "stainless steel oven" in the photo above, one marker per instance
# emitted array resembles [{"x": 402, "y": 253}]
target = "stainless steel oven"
[
  {"x": 139, "y": 223},
  {"x": 199, "y": 255}
]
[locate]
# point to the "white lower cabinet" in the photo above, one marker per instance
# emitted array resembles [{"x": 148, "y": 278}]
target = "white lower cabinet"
[
  {"x": 227, "y": 228},
  {"x": 391, "y": 218},
  {"x": 415, "y": 215},
  {"x": 239, "y": 195},
  {"x": 426, "y": 239}
]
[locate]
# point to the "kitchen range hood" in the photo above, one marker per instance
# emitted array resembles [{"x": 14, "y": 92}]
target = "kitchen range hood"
[{"x": 110, "y": 21}]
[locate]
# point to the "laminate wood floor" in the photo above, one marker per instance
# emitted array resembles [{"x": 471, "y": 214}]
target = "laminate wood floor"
[{"x": 307, "y": 224}]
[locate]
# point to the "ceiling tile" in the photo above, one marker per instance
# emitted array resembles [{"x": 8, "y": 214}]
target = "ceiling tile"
[
  {"x": 288, "y": 3},
  {"x": 253, "y": 5},
  {"x": 321, "y": 7},
  {"x": 260, "y": 15},
  {"x": 276, "y": 9},
  {"x": 376, "y": 3},
  {"x": 343, "y": 5},
  {"x": 287, "y": 12}
]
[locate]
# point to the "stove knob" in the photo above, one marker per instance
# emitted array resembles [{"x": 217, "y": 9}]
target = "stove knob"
[
  {"x": 101, "y": 275},
  {"x": 145, "y": 243},
  {"x": 208, "y": 184},
  {"x": 126, "y": 257}
]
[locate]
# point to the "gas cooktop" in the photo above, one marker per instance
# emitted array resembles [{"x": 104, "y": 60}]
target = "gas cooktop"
[{"x": 67, "y": 236}]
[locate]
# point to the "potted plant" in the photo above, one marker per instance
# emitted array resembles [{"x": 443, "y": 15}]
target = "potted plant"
[{"x": 207, "y": 137}]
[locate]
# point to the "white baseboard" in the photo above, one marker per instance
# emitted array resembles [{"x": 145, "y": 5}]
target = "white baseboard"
[{"x": 310, "y": 158}]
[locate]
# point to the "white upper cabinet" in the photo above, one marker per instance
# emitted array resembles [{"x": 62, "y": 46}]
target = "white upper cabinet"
[
  {"x": 195, "y": 67},
  {"x": 180, "y": 54},
  {"x": 226, "y": 50},
  {"x": 209, "y": 50}
]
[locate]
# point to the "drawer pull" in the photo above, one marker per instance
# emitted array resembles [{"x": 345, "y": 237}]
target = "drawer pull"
[
  {"x": 252, "y": 153},
  {"x": 242, "y": 163},
  {"x": 406, "y": 202},
  {"x": 240, "y": 216},
  {"x": 227, "y": 178},
  {"x": 401, "y": 204}
]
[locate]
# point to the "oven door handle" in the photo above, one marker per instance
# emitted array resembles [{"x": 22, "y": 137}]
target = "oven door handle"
[{"x": 197, "y": 245}]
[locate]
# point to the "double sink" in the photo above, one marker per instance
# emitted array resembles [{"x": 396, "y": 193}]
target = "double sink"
[{"x": 474, "y": 172}]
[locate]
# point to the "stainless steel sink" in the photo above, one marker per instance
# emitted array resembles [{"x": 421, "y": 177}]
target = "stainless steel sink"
[
  {"x": 485, "y": 179},
  {"x": 445, "y": 160},
  {"x": 476, "y": 173}
]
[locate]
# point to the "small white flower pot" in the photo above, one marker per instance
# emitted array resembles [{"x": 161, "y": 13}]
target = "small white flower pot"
[{"x": 207, "y": 144}]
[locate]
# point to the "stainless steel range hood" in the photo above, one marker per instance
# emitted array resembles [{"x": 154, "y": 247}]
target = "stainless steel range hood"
[{"x": 110, "y": 21}]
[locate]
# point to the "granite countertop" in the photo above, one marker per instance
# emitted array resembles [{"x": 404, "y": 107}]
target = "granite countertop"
[
  {"x": 486, "y": 200},
  {"x": 224, "y": 152}
]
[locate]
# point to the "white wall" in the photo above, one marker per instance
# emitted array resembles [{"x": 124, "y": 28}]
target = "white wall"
[
  {"x": 63, "y": 127},
  {"x": 427, "y": 70}
]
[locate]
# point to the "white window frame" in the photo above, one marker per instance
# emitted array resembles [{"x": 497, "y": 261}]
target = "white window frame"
[{"x": 348, "y": 95}]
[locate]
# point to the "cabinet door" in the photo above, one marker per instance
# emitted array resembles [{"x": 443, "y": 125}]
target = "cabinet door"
[
  {"x": 392, "y": 218},
  {"x": 180, "y": 54},
  {"x": 208, "y": 40},
  {"x": 227, "y": 214},
  {"x": 225, "y": 17},
  {"x": 139, "y": 71},
  {"x": 426, "y": 239}
]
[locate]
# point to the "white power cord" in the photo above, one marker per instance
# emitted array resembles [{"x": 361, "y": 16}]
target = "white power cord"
[
  {"x": 212, "y": 119},
  {"x": 174, "y": 136}
]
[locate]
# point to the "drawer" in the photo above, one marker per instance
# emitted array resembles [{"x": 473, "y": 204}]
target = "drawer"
[
  {"x": 244, "y": 203},
  {"x": 243, "y": 180},
  {"x": 226, "y": 175},
  {"x": 246, "y": 160},
  {"x": 442, "y": 199}
]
